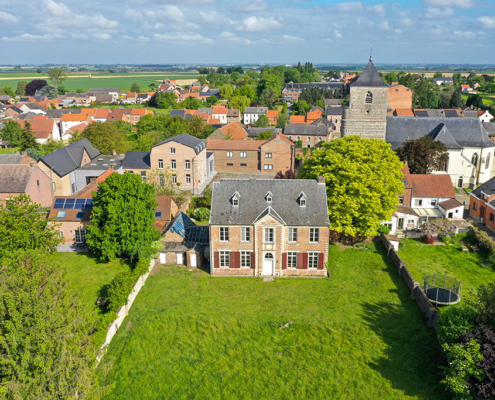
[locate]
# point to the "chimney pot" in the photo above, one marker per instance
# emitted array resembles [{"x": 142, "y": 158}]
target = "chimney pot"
[{"x": 321, "y": 179}]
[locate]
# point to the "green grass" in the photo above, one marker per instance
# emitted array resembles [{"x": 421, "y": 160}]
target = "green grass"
[
  {"x": 425, "y": 259},
  {"x": 356, "y": 335},
  {"x": 124, "y": 84},
  {"x": 87, "y": 277}
]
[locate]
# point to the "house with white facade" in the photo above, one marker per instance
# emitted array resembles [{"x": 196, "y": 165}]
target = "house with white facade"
[
  {"x": 471, "y": 152},
  {"x": 252, "y": 114},
  {"x": 68, "y": 121},
  {"x": 220, "y": 113},
  {"x": 425, "y": 197}
]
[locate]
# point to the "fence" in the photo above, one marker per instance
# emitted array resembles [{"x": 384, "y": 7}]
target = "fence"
[
  {"x": 417, "y": 293},
  {"x": 123, "y": 311}
]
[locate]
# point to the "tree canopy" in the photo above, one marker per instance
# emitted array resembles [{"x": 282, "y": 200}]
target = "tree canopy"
[
  {"x": 34, "y": 85},
  {"x": 57, "y": 75},
  {"x": 135, "y": 88},
  {"x": 262, "y": 122},
  {"x": 424, "y": 155},
  {"x": 363, "y": 178},
  {"x": 123, "y": 217},
  {"x": 106, "y": 137}
]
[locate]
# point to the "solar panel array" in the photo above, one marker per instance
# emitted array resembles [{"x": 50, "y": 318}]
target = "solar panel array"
[
  {"x": 421, "y": 113},
  {"x": 73, "y": 204},
  {"x": 451, "y": 113}
]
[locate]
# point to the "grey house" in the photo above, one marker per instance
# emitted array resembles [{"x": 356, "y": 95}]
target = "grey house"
[{"x": 97, "y": 166}]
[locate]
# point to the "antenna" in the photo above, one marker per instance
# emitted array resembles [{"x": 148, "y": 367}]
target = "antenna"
[{"x": 371, "y": 53}]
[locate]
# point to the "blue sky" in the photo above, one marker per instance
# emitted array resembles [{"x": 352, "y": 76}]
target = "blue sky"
[{"x": 246, "y": 31}]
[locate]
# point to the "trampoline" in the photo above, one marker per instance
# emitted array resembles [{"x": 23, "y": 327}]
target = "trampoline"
[{"x": 442, "y": 289}]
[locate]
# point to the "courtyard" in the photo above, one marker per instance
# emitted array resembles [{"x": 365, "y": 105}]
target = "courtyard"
[{"x": 356, "y": 335}]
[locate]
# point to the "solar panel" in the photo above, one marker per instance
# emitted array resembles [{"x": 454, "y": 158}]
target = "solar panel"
[
  {"x": 73, "y": 204},
  {"x": 80, "y": 203},
  {"x": 69, "y": 204},
  {"x": 89, "y": 204},
  {"x": 59, "y": 203},
  {"x": 451, "y": 113},
  {"x": 421, "y": 113}
]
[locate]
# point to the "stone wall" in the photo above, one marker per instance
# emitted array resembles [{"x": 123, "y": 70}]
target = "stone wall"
[{"x": 417, "y": 293}]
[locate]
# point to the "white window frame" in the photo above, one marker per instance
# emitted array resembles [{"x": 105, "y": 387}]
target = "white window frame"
[
  {"x": 224, "y": 258},
  {"x": 309, "y": 138},
  {"x": 314, "y": 233},
  {"x": 245, "y": 234},
  {"x": 174, "y": 179},
  {"x": 230, "y": 154},
  {"x": 312, "y": 258},
  {"x": 224, "y": 234},
  {"x": 292, "y": 235},
  {"x": 188, "y": 164},
  {"x": 160, "y": 164},
  {"x": 173, "y": 163},
  {"x": 243, "y": 154},
  {"x": 268, "y": 167},
  {"x": 292, "y": 259},
  {"x": 266, "y": 232},
  {"x": 245, "y": 259},
  {"x": 418, "y": 202},
  {"x": 172, "y": 150},
  {"x": 79, "y": 235},
  {"x": 268, "y": 155},
  {"x": 433, "y": 203},
  {"x": 188, "y": 179}
]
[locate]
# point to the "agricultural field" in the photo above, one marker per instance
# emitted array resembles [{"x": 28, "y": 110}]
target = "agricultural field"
[
  {"x": 124, "y": 83},
  {"x": 88, "y": 277},
  {"x": 472, "y": 269},
  {"x": 356, "y": 335}
]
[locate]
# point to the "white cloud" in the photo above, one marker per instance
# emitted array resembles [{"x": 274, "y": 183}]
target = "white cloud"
[
  {"x": 379, "y": 9},
  {"x": 61, "y": 15},
  {"x": 233, "y": 37},
  {"x": 466, "y": 35},
  {"x": 102, "y": 36},
  {"x": 450, "y": 3},
  {"x": 337, "y": 34},
  {"x": 191, "y": 38},
  {"x": 210, "y": 17},
  {"x": 438, "y": 13},
  {"x": 8, "y": 18},
  {"x": 138, "y": 38},
  {"x": 406, "y": 22},
  {"x": 255, "y": 24},
  {"x": 293, "y": 39},
  {"x": 27, "y": 37},
  {"x": 385, "y": 26},
  {"x": 349, "y": 7},
  {"x": 251, "y": 5},
  {"x": 487, "y": 22}
]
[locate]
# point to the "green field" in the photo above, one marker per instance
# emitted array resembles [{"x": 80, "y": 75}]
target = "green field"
[
  {"x": 123, "y": 83},
  {"x": 487, "y": 100},
  {"x": 86, "y": 276},
  {"x": 472, "y": 269},
  {"x": 355, "y": 335}
]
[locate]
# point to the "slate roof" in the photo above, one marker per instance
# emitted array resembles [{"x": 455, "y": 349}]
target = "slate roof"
[
  {"x": 369, "y": 77},
  {"x": 456, "y": 133},
  {"x": 255, "y": 110},
  {"x": 137, "y": 160},
  {"x": 94, "y": 91},
  {"x": 67, "y": 159},
  {"x": 178, "y": 113},
  {"x": 14, "y": 178},
  {"x": 489, "y": 128},
  {"x": 284, "y": 204},
  {"x": 335, "y": 110},
  {"x": 57, "y": 114},
  {"x": 180, "y": 223},
  {"x": 488, "y": 188},
  {"x": 11, "y": 158},
  {"x": 103, "y": 162},
  {"x": 301, "y": 129},
  {"x": 255, "y": 132},
  {"x": 187, "y": 140}
]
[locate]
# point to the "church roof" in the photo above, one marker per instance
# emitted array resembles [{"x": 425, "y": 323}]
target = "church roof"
[{"x": 369, "y": 77}]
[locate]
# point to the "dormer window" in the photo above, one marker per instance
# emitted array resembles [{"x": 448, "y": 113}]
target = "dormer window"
[
  {"x": 302, "y": 200},
  {"x": 235, "y": 199},
  {"x": 369, "y": 98},
  {"x": 269, "y": 197}
]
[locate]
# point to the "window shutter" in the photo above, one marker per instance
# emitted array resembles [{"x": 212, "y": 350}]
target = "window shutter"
[
  {"x": 232, "y": 259},
  {"x": 253, "y": 263},
  {"x": 217, "y": 259},
  {"x": 321, "y": 265},
  {"x": 300, "y": 261},
  {"x": 237, "y": 256},
  {"x": 305, "y": 260},
  {"x": 284, "y": 260}
]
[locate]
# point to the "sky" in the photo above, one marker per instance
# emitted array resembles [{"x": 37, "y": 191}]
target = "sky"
[{"x": 246, "y": 31}]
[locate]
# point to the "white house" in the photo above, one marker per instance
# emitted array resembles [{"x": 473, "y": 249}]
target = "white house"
[
  {"x": 425, "y": 197},
  {"x": 220, "y": 113},
  {"x": 252, "y": 114},
  {"x": 70, "y": 120},
  {"x": 444, "y": 81},
  {"x": 471, "y": 152}
]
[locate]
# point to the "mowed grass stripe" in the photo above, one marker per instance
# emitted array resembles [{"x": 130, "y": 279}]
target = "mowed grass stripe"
[{"x": 357, "y": 335}]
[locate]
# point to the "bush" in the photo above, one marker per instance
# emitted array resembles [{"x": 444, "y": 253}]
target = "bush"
[
  {"x": 384, "y": 229},
  {"x": 438, "y": 228},
  {"x": 482, "y": 239},
  {"x": 119, "y": 289},
  {"x": 201, "y": 214}
]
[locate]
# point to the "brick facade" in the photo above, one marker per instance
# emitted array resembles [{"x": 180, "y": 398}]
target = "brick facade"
[
  {"x": 278, "y": 155},
  {"x": 258, "y": 250},
  {"x": 399, "y": 96},
  {"x": 250, "y": 163}
]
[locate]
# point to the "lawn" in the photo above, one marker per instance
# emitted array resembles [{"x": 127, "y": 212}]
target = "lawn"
[
  {"x": 356, "y": 335},
  {"x": 472, "y": 269},
  {"x": 86, "y": 276}
]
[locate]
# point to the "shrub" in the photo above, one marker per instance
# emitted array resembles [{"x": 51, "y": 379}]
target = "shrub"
[
  {"x": 119, "y": 289},
  {"x": 201, "y": 214},
  {"x": 482, "y": 239},
  {"x": 384, "y": 229},
  {"x": 438, "y": 228}
]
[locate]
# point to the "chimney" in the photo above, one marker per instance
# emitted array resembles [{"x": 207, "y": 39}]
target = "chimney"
[
  {"x": 321, "y": 179},
  {"x": 92, "y": 180},
  {"x": 114, "y": 152}
]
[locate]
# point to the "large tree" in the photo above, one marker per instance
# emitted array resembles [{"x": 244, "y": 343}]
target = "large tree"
[
  {"x": 57, "y": 75},
  {"x": 135, "y": 88},
  {"x": 106, "y": 137},
  {"x": 11, "y": 132},
  {"x": 262, "y": 122},
  {"x": 45, "y": 334},
  {"x": 424, "y": 155},
  {"x": 123, "y": 217},
  {"x": 26, "y": 139},
  {"x": 21, "y": 88},
  {"x": 363, "y": 178},
  {"x": 35, "y": 85},
  {"x": 456, "y": 99},
  {"x": 50, "y": 91},
  {"x": 25, "y": 227}
]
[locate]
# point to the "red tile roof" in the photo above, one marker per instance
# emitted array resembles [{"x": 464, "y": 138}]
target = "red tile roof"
[
  {"x": 105, "y": 175},
  {"x": 450, "y": 204},
  {"x": 219, "y": 110},
  {"x": 297, "y": 119},
  {"x": 102, "y": 113},
  {"x": 431, "y": 185},
  {"x": 404, "y": 111},
  {"x": 74, "y": 117},
  {"x": 42, "y": 128},
  {"x": 235, "y": 130}
]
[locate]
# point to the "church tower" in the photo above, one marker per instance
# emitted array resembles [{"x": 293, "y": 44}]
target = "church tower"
[{"x": 366, "y": 114}]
